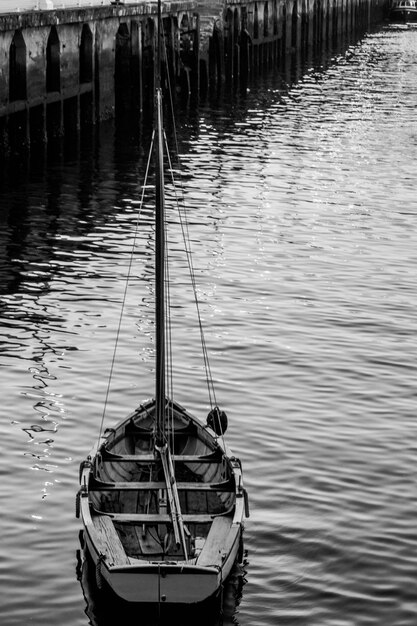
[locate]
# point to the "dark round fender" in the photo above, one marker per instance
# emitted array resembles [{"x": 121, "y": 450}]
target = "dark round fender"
[
  {"x": 241, "y": 549},
  {"x": 99, "y": 575},
  {"x": 77, "y": 504},
  {"x": 246, "y": 501},
  {"x": 217, "y": 421}
]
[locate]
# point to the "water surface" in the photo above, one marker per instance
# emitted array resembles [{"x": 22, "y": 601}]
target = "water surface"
[{"x": 303, "y": 219}]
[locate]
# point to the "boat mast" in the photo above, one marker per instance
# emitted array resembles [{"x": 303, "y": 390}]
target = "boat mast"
[
  {"x": 160, "y": 401},
  {"x": 159, "y": 246}
]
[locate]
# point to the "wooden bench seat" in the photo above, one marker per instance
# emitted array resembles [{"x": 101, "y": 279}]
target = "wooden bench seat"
[
  {"x": 98, "y": 485},
  {"x": 213, "y": 457},
  {"x": 132, "y": 430},
  {"x": 109, "y": 541},
  {"x": 157, "y": 518},
  {"x": 217, "y": 545}
]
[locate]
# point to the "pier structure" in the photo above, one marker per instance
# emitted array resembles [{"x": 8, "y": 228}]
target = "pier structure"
[
  {"x": 246, "y": 37},
  {"x": 62, "y": 68}
]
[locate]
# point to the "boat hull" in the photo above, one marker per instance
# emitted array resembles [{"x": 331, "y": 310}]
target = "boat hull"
[
  {"x": 153, "y": 578},
  {"x": 171, "y": 583},
  {"x": 168, "y": 583}
]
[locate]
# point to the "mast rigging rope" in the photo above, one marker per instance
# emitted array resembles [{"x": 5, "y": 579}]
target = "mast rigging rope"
[{"x": 129, "y": 272}]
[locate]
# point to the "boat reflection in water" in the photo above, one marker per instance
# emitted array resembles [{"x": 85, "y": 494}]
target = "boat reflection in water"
[{"x": 104, "y": 608}]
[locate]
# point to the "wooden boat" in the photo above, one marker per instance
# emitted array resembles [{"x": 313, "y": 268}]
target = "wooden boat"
[
  {"x": 161, "y": 498},
  {"x": 404, "y": 11}
]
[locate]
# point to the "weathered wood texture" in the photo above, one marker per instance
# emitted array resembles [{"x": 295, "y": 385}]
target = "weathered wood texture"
[
  {"x": 218, "y": 543},
  {"x": 109, "y": 541}
]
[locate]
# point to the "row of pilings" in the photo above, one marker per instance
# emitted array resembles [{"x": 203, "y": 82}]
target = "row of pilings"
[
  {"x": 263, "y": 34},
  {"x": 64, "y": 69}
]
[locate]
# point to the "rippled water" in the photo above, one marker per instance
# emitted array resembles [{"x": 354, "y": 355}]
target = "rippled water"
[{"x": 303, "y": 217}]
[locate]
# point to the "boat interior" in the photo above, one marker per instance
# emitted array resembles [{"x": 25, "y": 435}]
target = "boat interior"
[{"x": 127, "y": 485}]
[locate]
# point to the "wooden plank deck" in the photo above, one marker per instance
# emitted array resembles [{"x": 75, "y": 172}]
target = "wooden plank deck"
[
  {"x": 217, "y": 544},
  {"x": 111, "y": 546},
  {"x": 214, "y": 457}
]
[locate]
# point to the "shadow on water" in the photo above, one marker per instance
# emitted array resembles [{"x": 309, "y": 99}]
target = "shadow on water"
[
  {"x": 133, "y": 126},
  {"x": 103, "y": 608}
]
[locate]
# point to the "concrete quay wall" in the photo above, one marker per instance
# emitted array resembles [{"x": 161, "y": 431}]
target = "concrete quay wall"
[{"x": 64, "y": 67}]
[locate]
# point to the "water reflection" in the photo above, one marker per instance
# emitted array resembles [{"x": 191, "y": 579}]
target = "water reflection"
[
  {"x": 303, "y": 211},
  {"x": 104, "y": 609}
]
